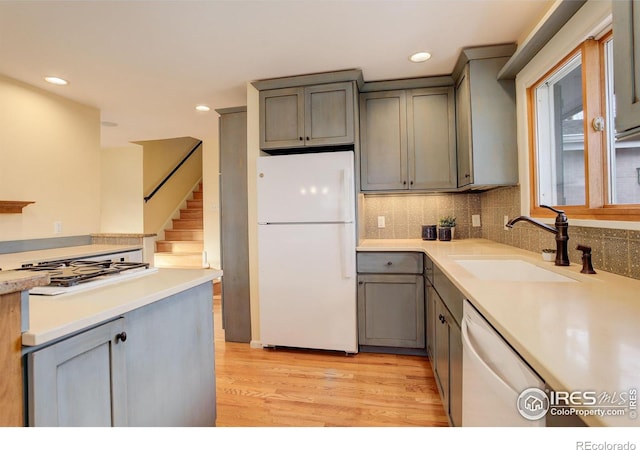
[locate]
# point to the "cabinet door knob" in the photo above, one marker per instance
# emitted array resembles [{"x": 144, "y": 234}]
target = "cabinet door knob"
[
  {"x": 308, "y": 138},
  {"x": 441, "y": 317},
  {"x": 389, "y": 263},
  {"x": 121, "y": 337},
  {"x": 360, "y": 282},
  {"x": 404, "y": 182},
  {"x": 300, "y": 138},
  {"x": 411, "y": 183}
]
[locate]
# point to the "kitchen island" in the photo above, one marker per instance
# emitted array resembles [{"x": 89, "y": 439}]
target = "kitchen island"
[
  {"x": 14, "y": 317},
  {"x": 578, "y": 336},
  {"x": 138, "y": 352}
]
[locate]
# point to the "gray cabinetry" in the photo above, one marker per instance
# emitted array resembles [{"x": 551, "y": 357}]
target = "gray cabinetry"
[
  {"x": 408, "y": 139},
  {"x": 234, "y": 223},
  {"x": 80, "y": 381},
  {"x": 626, "y": 43},
  {"x": 391, "y": 310},
  {"x": 311, "y": 116},
  {"x": 444, "y": 315},
  {"x": 152, "y": 367},
  {"x": 170, "y": 361},
  {"x": 485, "y": 118}
]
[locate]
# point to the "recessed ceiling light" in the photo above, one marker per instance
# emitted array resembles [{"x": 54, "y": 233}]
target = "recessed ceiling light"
[
  {"x": 420, "y": 57},
  {"x": 203, "y": 108},
  {"x": 56, "y": 80}
]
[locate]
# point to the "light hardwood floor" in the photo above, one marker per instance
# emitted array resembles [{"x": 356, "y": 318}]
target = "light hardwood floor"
[{"x": 295, "y": 388}]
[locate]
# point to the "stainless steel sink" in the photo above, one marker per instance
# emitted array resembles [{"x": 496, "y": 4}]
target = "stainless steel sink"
[{"x": 511, "y": 270}]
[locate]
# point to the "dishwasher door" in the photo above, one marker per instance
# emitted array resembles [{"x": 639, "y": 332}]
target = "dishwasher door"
[{"x": 493, "y": 376}]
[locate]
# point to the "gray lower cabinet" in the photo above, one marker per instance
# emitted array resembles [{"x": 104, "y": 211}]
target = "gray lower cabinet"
[
  {"x": 626, "y": 43},
  {"x": 170, "y": 361},
  {"x": 487, "y": 152},
  {"x": 391, "y": 308},
  {"x": 304, "y": 116},
  {"x": 391, "y": 311},
  {"x": 80, "y": 381},
  {"x": 445, "y": 343},
  {"x": 152, "y": 367},
  {"x": 408, "y": 139}
]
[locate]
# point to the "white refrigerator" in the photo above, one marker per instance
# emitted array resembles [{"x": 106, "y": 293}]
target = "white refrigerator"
[{"x": 306, "y": 251}]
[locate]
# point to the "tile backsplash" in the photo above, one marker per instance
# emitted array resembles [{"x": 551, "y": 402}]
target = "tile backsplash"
[
  {"x": 405, "y": 214},
  {"x": 613, "y": 250}
]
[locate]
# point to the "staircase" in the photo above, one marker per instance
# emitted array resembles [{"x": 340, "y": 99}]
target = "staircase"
[{"x": 183, "y": 246}]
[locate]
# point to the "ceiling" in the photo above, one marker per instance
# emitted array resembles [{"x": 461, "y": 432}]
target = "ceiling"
[{"x": 146, "y": 64}]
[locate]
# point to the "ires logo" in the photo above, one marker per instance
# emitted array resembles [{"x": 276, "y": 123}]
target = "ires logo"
[{"x": 534, "y": 403}]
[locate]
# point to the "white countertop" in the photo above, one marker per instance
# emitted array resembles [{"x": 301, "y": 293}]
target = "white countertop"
[
  {"x": 52, "y": 317},
  {"x": 16, "y": 260},
  {"x": 577, "y": 336}
]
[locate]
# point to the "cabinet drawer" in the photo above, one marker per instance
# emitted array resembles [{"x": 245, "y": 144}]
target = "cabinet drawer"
[
  {"x": 389, "y": 262},
  {"x": 450, "y": 294}
]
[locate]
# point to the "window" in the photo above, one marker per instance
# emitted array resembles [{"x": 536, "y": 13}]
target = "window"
[{"x": 576, "y": 162}]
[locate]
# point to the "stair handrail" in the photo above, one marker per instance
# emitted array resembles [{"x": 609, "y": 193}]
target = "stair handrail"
[{"x": 175, "y": 169}]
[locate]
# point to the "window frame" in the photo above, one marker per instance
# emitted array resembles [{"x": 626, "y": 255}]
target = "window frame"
[{"x": 597, "y": 206}]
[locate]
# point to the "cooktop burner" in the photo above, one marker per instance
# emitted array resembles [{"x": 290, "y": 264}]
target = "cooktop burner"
[{"x": 71, "y": 273}]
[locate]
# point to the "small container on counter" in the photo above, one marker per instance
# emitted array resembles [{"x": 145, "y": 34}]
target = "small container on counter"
[{"x": 429, "y": 232}]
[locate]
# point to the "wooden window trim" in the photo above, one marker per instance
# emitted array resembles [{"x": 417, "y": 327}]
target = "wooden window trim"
[{"x": 595, "y": 145}]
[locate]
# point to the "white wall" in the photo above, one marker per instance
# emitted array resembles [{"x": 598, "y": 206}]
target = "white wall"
[
  {"x": 50, "y": 154},
  {"x": 159, "y": 158},
  {"x": 121, "y": 194}
]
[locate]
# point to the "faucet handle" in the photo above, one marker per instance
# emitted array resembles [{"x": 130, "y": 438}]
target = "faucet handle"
[
  {"x": 557, "y": 211},
  {"x": 561, "y": 218},
  {"x": 584, "y": 248},
  {"x": 587, "y": 267}
]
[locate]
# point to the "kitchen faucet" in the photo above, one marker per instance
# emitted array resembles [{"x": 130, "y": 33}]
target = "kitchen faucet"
[{"x": 560, "y": 230}]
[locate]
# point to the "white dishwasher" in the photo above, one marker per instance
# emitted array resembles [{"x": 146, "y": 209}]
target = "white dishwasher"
[{"x": 493, "y": 376}]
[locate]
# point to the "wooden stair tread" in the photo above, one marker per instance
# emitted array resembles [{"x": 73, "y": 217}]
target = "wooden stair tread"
[{"x": 183, "y": 246}]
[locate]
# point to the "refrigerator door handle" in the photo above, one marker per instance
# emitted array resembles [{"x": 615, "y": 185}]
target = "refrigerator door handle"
[
  {"x": 348, "y": 257},
  {"x": 347, "y": 182}
]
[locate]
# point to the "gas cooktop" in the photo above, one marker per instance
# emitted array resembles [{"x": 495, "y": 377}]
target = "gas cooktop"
[{"x": 71, "y": 275}]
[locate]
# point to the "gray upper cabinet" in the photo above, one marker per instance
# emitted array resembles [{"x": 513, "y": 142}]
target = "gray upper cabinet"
[
  {"x": 626, "y": 45},
  {"x": 383, "y": 141},
  {"x": 408, "y": 139},
  {"x": 485, "y": 119},
  {"x": 304, "y": 116}
]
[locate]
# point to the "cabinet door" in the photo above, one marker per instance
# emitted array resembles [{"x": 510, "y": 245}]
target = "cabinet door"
[
  {"x": 391, "y": 311},
  {"x": 455, "y": 374},
  {"x": 463, "y": 129},
  {"x": 430, "y": 298},
  {"x": 80, "y": 381},
  {"x": 431, "y": 139},
  {"x": 626, "y": 44},
  {"x": 328, "y": 114},
  {"x": 383, "y": 134},
  {"x": 281, "y": 118},
  {"x": 441, "y": 349},
  {"x": 170, "y": 363}
]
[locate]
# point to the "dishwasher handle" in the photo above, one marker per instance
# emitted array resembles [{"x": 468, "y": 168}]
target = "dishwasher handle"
[{"x": 468, "y": 346}]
